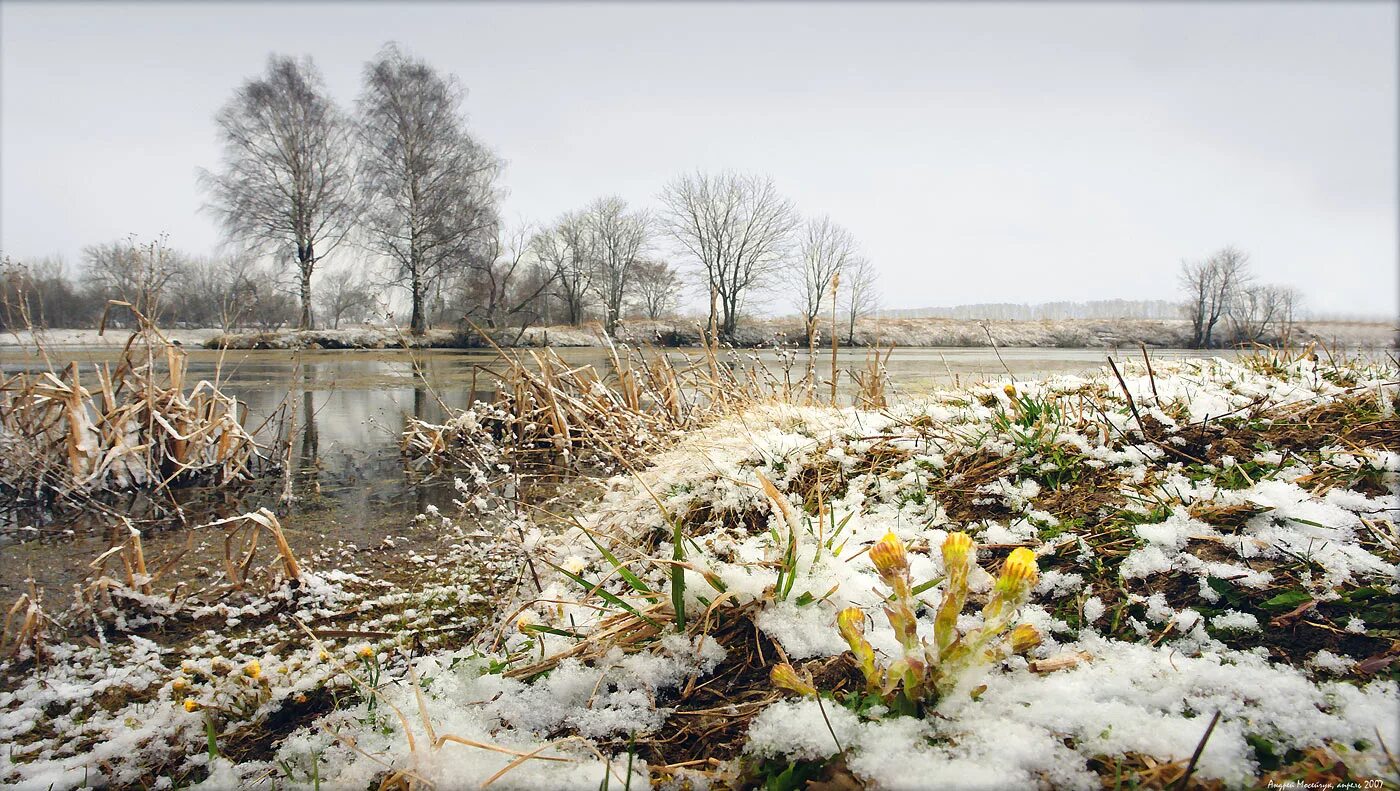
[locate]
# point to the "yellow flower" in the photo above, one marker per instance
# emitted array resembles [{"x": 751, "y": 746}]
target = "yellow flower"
[
  {"x": 955, "y": 548},
  {"x": 365, "y": 652},
  {"x": 253, "y": 669},
  {"x": 1024, "y": 638},
  {"x": 957, "y": 551},
  {"x": 191, "y": 704},
  {"x": 325, "y": 657},
  {"x": 179, "y": 684},
  {"x": 1019, "y": 569},
  {"x": 890, "y": 559},
  {"x": 1013, "y": 588},
  {"x": 851, "y": 623},
  {"x": 1010, "y": 391},
  {"x": 785, "y": 677}
]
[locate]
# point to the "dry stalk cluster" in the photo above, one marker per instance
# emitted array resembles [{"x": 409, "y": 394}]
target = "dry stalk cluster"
[
  {"x": 548, "y": 413},
  {"x": 122, "y": 586},
  {"x": 26, "y": 626},
  {"x": 139, "y": 424}
]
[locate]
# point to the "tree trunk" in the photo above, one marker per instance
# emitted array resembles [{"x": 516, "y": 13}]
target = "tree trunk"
[
  {"x": 306, "y": 320},
  {"x": 418, "y": 324},
  {"x": 306, "y": 262}
]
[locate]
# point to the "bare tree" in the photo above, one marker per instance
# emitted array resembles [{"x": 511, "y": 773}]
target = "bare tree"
[
  {"x": 658, "y": 286},
  {"x": 568, "y": 251},
  {"x": 619, "y": 237},
  {"x": 133, "y": 272},
  {"x": 737, "y": 228},
  {"x": 345, "y": 296},
  {"x": 429, "y": 187},
  {"x": 501, "y": 286},
  {"x": 1211, "y": 287},
  {"x": 859, "y": 293},
  {"x": 1263, "y": 313},
  {"x": 824, "y": 250},
  {"x": 286, "y": 186},
  {"x": 41, "y": 293}
]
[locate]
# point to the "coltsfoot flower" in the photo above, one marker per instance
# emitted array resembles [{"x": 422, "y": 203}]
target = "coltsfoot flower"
[
  {"x": 253, "y": 670},
  {"x": 956, "y": 548},
  {"x": 179, "y": 684},
  {"x": 191, "y": 704},
  {"x": 890, "y": 559},
  {"x": 1019, "y": 570},
  {"x": 365, "y": 652},
  {"x": 526, "y": 619}
]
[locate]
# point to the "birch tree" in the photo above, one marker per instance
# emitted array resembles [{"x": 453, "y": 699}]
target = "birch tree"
[
  {"x": 429, "y": 187},
  {"x": 1211, "y": 288},
  {"x": 286, "y": 184},
  {"x": 658, "y": 287},
  {"x": 567, "y": 250}
]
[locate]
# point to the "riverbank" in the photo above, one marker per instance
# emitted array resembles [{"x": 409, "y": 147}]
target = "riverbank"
[
  {"x": 934, "y": 333},
  {"x": 1200, "y": 558}
]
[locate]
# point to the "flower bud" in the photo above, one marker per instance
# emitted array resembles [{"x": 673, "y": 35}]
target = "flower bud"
[
  {"x": 955, "y": 549},
  {"x": 890, "y": 559},
  {"x": 785, "y": 677},
  {"x": 191, "y": 704},
  {"x": 851, "y": 623}
]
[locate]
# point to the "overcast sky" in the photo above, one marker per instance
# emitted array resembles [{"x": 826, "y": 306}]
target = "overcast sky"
[{"x": 997, "y": 152}]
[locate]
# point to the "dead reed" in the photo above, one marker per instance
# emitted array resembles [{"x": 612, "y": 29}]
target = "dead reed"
[
  {"x": 138, "y": 424},
  {"x": 548, "y": 413}
]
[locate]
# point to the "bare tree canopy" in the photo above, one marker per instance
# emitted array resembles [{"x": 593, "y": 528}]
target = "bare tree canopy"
[
  {"x": 345, "y": 296},
  {"x": 286, "y": 185},
  {"x": 619, "y": 237},
  {"x": 1263, "y": 313},
  {"x": 824, "y": 251},
  {"x": 1211, "y": 286},
  {"x": 658, "y": 287},
  {"x": 505, "y": 284},
  {"x": 567, "y": 250},
  {"x": 736, "y": 228},
  {"x": 41, "y": 294},
  {"x": 133, "y": 272},
  {"x": 859, "y": 295},
  {"x": 429, "y": 188}
]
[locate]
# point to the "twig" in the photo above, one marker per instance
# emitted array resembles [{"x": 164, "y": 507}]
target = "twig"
[{"x": 1196, "y": 756}]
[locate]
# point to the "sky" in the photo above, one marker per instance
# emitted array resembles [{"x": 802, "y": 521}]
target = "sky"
[{"x": 998, "y": 152}]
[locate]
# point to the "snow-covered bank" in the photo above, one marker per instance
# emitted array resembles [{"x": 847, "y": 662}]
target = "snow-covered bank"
[
  {"x": 945, "y": 333},
  {"x": 1220, "y": 541}
]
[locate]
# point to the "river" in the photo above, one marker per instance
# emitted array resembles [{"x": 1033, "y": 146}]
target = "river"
[{"x": 350, "y": 489}]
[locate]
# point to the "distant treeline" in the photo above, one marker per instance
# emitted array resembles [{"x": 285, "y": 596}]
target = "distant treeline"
[
  {"x": 1011, "y": 311},
  {"x": 1092, "y": 309}
]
